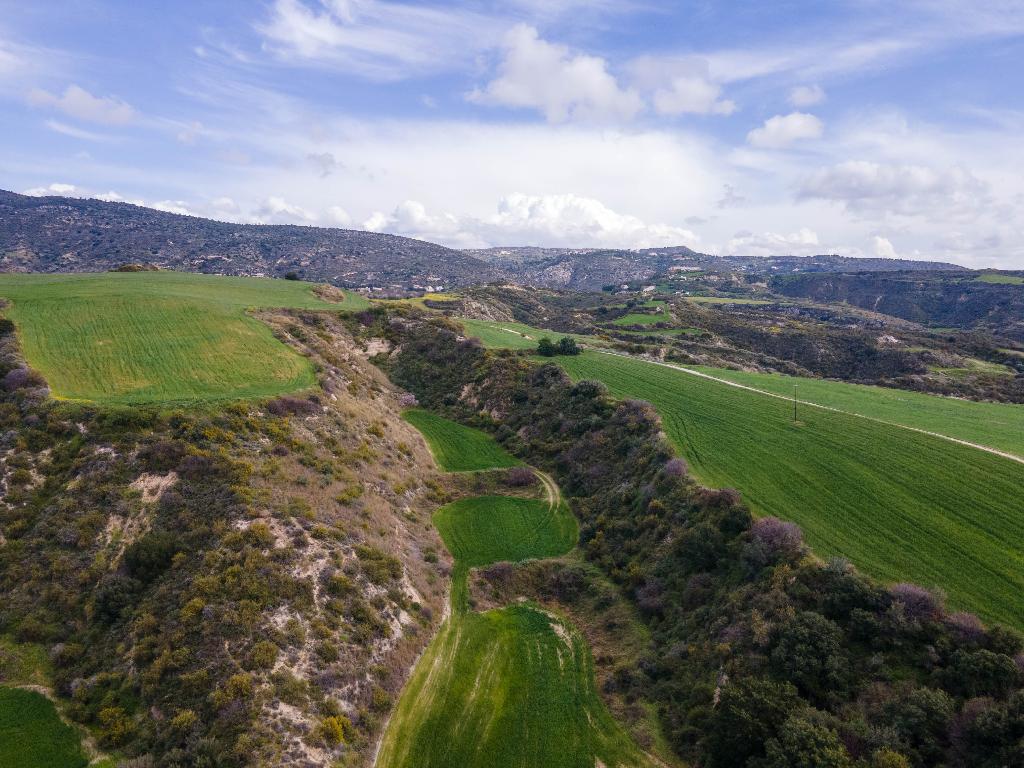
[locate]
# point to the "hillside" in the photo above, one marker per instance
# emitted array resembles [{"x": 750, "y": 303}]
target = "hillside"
[
  {"x": 62, "y": 234},
  {"x": 990, "y": 302}
]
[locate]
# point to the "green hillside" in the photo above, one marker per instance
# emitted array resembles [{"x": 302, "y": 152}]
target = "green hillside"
[
  {"x": 127, "y": 338},
  {"x": 458, "y": 448},
  {"x": 900, "y": 504}
]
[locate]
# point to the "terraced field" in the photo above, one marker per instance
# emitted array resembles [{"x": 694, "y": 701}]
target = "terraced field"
[
  {"x": 457, "y": 448},
  {"x": 127, "y": 338},
  {"x": 900, "y": 504},
  {"x": 509, "y": 687},
  {"x": 32, "y": 735},
  {"x": 639, "y": 318}
]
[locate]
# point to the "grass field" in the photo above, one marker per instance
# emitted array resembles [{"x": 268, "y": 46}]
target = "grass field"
[
  {"x": 128, "y": 338},
  {"x": 457, "y": 448},
  {"x": 996, "y": 425},
  {"x": 996, "y": 277},
  {"x": 488, "y": 529},
  {"x": 32, "y": 735},
  {"x": 899, "y": 504}
]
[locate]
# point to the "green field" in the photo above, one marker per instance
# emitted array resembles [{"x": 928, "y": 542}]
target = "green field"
[
  {"x": 512, "y": 686},
  {"x": 32, "y": 735},
  {"x": 728, "y": 300},
  {"x": 999, "y": 278},
  {"x": 488, "y": 529},
  {"x": 128, "y": 338},
  {"x": 899, "y": 504},
  {"x": 457, "y": 448},
  {"x": 996, "y": 425},
  {"x": 636, "y": 318}
]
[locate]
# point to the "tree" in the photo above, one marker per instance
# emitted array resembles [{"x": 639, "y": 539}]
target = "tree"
[
  {"x": 749, "y": 713},
  {"x": 568, "y": 346},
  {"x": 291, "y": 275},
  {"x": 545, "y": 348},
  {"x": 802, "y": 743},
  {"x": 809, "y": 652}
]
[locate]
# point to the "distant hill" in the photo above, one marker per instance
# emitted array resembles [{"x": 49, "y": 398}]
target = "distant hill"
[
  {"x": 990, "y": 301},
  {"x": 61, "y": 234},
  {"x": 64, "y": 234}
]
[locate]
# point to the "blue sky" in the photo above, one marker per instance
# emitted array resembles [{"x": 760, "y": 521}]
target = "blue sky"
[{"x": 861, "y": 127}]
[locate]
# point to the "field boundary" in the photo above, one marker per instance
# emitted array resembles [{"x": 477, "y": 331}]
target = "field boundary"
[{"x": 702, "y": 375}]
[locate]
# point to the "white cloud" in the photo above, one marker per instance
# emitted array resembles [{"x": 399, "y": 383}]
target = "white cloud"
[
  {"x": 912, "y": 190},
  {"x": 680, "y": 85},
  {"x": 692, "y": 94},
  {"x": 806, "y": 95},
  {"x": 277, "y": 210},
  {"x": 338, "y": 216},
  {"x": 79, "y": 103},
  {"x": 548, "y": 77},
  {"x": 56, "y": 188},
  {"x": 78, "y": 133},
  {"x": 190, "y": 133},
  {"x": 883, "y": 247},
  {"x": 174, "y": 206},
  {"x": 803, "y": 242},
  {"x": 378, "y": 40},
  {"x": 782, "y": 130},
  {"x": 566, "y": 219}
]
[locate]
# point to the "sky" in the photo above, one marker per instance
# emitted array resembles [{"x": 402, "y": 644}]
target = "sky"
[{"x": 857, "y": 127}]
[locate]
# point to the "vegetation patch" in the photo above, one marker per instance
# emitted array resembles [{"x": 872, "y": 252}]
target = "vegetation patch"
[
  {"x": 32, "y": 735},
  {"x": 458, "y": 448},
  {"x": 130, "y": 338},
  {"x": 899, "y": 504},
  {"x": 1000, "y": 278}
]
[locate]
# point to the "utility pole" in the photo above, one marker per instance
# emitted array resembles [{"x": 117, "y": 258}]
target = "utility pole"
[{"x": 794, "y": 403}]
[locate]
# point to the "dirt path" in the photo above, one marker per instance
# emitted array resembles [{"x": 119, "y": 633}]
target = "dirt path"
[
  {"x": 552, "y": 493},
  {"x": 702, "y": 375}
]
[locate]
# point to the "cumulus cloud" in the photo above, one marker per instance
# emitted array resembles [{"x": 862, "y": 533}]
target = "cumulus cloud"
[
  {"x": 56, "y": 188},
  {"x": 174, "y": 206},
  {"x": 692, "y": 94},
  {"x": 566, "y": 219},
  {"x": 883, "y": 247},
  {"x": 79, "y": 103},
  {"x": 911, "y": 190},
  {"x": 680, "y": 85},
  {"x": 803, "y": 242},
  {"x": 548, "y": 77},
  {"x": 339, "y": 216},
  {"x": 806, "y": 96},
  {"x": 277, "y": 210},
  {"x": 782, "y": 130}
]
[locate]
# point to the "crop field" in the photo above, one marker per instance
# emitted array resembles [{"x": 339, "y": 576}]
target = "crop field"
[
  {"x": 510, "y": 335},
  {"x": 129, "y": 338},
  {"x": 512, "y": 687},
  {"x": 996, "y": 425},
  {"x": 488, "y": 529},
  {"x": 458, "y": 448},
  {"x": 899, "y": 504},
  {"x": 32, "y": 735},
  {"x": 999, "y": 278},
  {"x": 728, "y": 300}
]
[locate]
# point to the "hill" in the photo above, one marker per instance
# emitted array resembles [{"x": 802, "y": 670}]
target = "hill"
[
  {"x": 993, "y": 302},
  {"x": 62, "y": 234}
]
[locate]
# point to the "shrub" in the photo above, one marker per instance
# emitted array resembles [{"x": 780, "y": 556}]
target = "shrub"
[
  {"x": 918, "y": 603},
  {"x": 771, "y": 541},
  {"x": 286, "y": 405},
  {"x": 151, "y": 555},
  {"x": 568, "y": 346},
  {"x": 336, "y": 730},
  {"x": 545, "y": 348},
  {"x": 263, "y": 655},
  {"x": 519, "y": 477},
  {"x": 804, "y": 744},
  {"x": 809, "y": 652}
]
